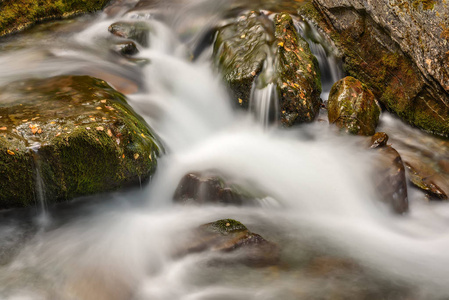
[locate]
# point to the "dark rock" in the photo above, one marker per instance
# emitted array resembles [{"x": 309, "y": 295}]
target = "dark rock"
[
  {"x": 390, "y": 179},
  {"x": 352, "y": 107},
  {"x": 379, "y": 139},
  {"x": 136, "y": 31},
  {"x": 126, "y": 48},
  {"x": 243, "y": 48},
  {"x": 209, "y": 189},
  {"x": 426, "y": 179},
  {"x": 76, "y": 133},
  {"x": 399, "y": 50},
  {"x": 232, "y": 236}
]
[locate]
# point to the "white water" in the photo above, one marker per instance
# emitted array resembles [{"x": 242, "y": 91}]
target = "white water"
[{"x": 323, "y": 204}]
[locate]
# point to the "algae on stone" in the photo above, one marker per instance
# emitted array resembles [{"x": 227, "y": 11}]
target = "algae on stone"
[
  {"x": 352, "y": 107},
  {"x": 17, "y": 15},
  {"x": 82, "y": 132}
]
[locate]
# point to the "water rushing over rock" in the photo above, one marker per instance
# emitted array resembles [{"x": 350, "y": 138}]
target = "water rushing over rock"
[{"x": 320, "y": 204}]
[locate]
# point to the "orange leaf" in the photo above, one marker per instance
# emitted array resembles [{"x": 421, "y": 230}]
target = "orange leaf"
[{"x": 10, "y": 152}]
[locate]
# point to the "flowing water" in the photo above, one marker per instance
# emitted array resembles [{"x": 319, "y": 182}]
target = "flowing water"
[{"x": 320, "y": 203}]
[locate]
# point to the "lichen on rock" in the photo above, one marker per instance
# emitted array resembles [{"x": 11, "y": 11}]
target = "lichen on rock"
[
  {"x": 82, "y": 132},
  {"x": 352, "y": 107}
]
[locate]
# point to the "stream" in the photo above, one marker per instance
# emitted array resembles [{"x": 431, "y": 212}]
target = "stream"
[{"x": 318, "y": 203}]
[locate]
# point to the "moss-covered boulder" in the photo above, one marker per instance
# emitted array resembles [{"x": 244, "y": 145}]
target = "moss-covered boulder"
[
  {"x": 254, "y": 50},
  {"x": 136, "y": 31},
  {"x": 75, "y": 133},
  {"x": 297, "y": 74},
  {"x": 16, "y": 15},
  {"x": 352, "y": 107},
  {"x": 399, "y": 50},
  {"x": 229, "y": 235}
]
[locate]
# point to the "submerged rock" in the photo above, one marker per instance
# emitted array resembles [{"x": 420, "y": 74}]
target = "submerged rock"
[
  {"x": 136, "y": 31},
  {"x": 245, "y": 52},
  {"x": 75, "y": 133},
  {"x": 389, "y": 175},
  {"x": 200, "y": 188},
  {"x": 126, "y": 48},
  {"x": 352, "y": 107},
  {"x": 399, "y": 50},
  {"x": 229, "y": 235}
]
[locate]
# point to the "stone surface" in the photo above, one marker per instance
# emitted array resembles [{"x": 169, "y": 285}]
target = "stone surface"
[
  {"x": 126, "y": 48},
  {"x": 379, "y": 139},
  {"x": 245, "y": 48},
  {"x": 352, "y": 107},
  {"x": 229, "y": 235},
  {"x": 425, "y": 178},
  {"x": 398, "y": 49},
  {"x": 76, "y": 133}
]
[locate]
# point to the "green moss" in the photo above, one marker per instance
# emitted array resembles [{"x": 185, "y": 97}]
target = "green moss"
[
  {"x": 90, "y": 138},
  {"x": 19, "y": 14},
  {"x": 226, "y": 226}
]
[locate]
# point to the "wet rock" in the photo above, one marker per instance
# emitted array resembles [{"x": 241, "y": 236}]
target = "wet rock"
[
  {"x": 76, "y": 133},
  {"x": 426, "y": 179},
  {"x": 246, "y": 50},
  {"x": 352, "y": 107},
  {"x": 21, "y": 14},
  {"x": 136, "y": 31},
  {"x": 399, "y": 50},
  {"x": 204, "y": 188},
  {"x": 379, "y": 139},
  {"x": 390, "y": 178},
  {"x": 298, "y": 76},
  {"x": 229, "y": 235},
  {"x": 126, "y": 48}
]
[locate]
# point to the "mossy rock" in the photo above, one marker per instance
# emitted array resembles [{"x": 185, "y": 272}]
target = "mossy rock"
[
  {"x": 17, "y": 15},
  {"x": 240, "y": 50},
  {"x": 126, "y": 48},
  {"x": 75, "y": 132},
  {"x": 352, "y": 107},
  {"x": 298, "y": 74},
  {"x": 243, "y": 50},
  {"x": 371, "y": 55},
  {"x": 136, "y": 31}
]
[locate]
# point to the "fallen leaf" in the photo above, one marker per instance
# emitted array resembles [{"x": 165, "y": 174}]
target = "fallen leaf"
[
  {"x": 136, "y": 155},
  {"x": 123, "y": 156},
  {"x": 88, "y": 128},
  {"x": 109, "y": 132},
  {"x": 3, "y": 128},
  {"x": 26, "y": 120},
  {"x": 39, "y": 131},
  {"x": 103, "y": 101},
  {"x": 92, "y": 119},
  {"x": 58, "y": 134},
  {"x": 240, "y": 101},
  {"x": 149, "y": 156},
  {"x": 10, "y": 152},
  {"x": 100, "y": 128},
  {"x": 253, "y": 73},
  {"x": 98, "y": 107},
  {"x": 53, "y": 122},
  {"x": 35, "y": 118},
  {"x": 281, "y": 44},
  {"x": 242, "y": 36}
]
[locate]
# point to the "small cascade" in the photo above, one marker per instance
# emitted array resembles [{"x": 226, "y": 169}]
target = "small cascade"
[
  {"x": 40, "y": 196},
  {"x": 330, "y": 65},
  {"x": 264, "y": 103}
]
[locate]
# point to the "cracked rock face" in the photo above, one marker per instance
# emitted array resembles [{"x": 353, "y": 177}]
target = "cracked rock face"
[{"x": 399, "y": 49}]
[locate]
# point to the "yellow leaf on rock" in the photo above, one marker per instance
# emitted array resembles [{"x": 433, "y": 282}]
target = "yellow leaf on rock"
[
  {"x": 10, "y": 152},
  {"x": 98, "y": 107},
  {"x": 281, "y": 44},
  {"x": 240, "y": 101},
  {"x": 136, "y": 155}
]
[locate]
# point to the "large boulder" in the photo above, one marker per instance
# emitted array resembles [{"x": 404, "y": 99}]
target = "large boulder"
[
  {"x": 352, "y": 107},
  {"x": 20, "y": 14},
  {"x": 246, "y": 50},
  {"x": 74, "y": 134},
  {"x": 400, "y": 50}
]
